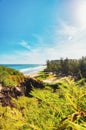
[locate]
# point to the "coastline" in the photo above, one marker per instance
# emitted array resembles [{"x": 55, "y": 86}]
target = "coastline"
[{"x": 35, "y": 72}]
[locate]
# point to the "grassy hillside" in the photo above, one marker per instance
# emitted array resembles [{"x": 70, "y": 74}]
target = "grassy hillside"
[
  {"x": 10, "y": 77},
  {"x": 63, "y": 109},
  {"x": 59, "y": 105}
]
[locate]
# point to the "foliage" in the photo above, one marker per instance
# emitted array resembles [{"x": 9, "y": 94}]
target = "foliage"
[
  {"x": 10, "y": 77},
  {"x": 64, "y": 109},
  {"x": 65, "y": 67},
  {"x": 10, "y": 118},
  {"x": 42, "y": 75}
]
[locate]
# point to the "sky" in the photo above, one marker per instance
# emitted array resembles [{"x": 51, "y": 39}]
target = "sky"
[{"x": 34, "y": 31}]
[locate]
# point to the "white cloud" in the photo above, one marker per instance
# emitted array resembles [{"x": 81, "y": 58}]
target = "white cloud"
[
  {"x": 25, "y": 45},
  {"x": 72, "y": 44},
  {"x": 72, "y": 41},
  {"x": 66, "y": 29}
]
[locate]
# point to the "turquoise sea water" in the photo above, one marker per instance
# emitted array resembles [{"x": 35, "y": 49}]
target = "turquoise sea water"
[{"x": 25, "y": 68}]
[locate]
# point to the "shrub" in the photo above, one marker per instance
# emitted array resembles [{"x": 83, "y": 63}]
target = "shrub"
[{"x": 10, "y": 77}]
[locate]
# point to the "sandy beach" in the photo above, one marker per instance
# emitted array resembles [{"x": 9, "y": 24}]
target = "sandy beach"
[{"x": 35, "y": 72}]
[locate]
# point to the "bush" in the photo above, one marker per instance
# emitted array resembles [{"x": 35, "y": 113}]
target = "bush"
[{"x": 10, "y": 77}]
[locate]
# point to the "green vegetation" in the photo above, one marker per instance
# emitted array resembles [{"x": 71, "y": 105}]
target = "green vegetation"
[
  {"x": 42, "y": 75},
  {"x": 10, "y": 77},
  {"x": 59, "y": 105},
  {"x": 66, "y": 67},
  {"x": 64, "y": 109}
]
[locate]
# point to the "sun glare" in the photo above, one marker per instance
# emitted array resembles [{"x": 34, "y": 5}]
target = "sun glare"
[{"x": 81, "y": 13}]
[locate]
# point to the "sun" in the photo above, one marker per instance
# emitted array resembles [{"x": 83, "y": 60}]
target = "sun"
[{"x": 81, "y": 13}]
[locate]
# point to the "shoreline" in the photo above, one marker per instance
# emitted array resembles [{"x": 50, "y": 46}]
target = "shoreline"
[{"x": 35, "y": 72}]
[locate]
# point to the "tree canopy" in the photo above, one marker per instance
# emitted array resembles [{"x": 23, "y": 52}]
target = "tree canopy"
[{"x": 66, "y": 67}]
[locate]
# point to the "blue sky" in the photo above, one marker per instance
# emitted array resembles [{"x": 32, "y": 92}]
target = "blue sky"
[{"x": 33, "y": 31}]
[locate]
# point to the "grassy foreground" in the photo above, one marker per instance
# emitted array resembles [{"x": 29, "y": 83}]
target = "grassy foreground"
[{"x": 59, "y": 106}]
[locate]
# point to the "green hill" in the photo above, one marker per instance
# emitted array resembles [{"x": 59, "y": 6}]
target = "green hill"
[{"x": 40, "y": 107}]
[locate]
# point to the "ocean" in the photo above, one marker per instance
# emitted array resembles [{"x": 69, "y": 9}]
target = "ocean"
[{"x": 25, "y": 68}]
